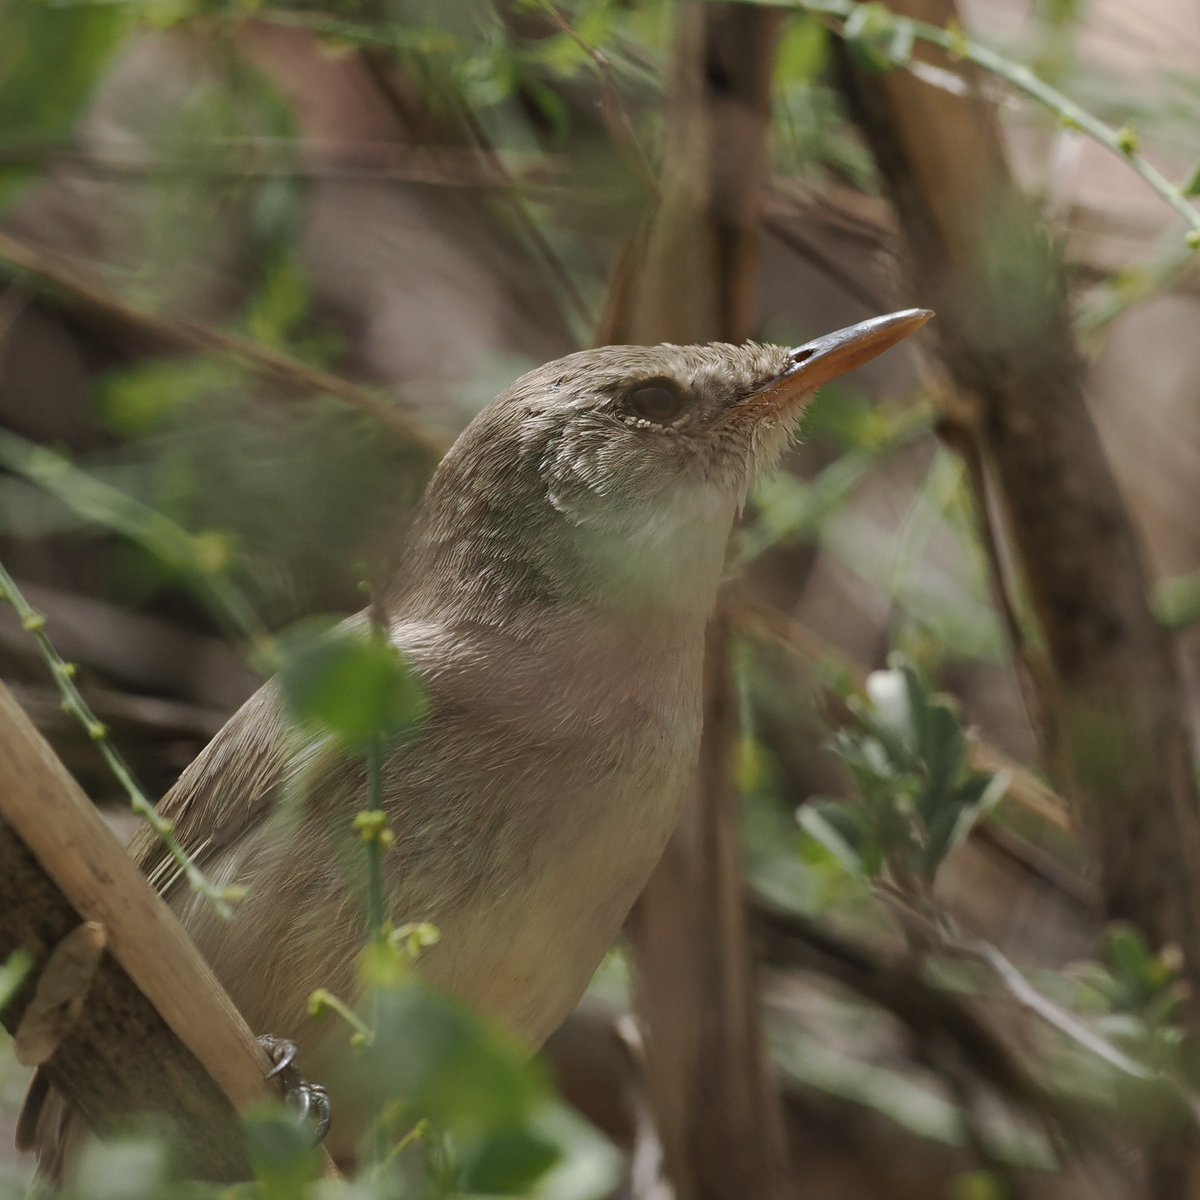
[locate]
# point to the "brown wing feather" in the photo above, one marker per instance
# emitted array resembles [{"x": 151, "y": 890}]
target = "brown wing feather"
[{"x": 227, "y": 789}]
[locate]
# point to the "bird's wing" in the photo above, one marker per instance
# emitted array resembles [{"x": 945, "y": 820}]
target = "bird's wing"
[{"x": 228, "y": 789}]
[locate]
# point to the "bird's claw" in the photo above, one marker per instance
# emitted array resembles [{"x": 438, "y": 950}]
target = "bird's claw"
[
  {"x": 312, "y": 1101},
  {"x": 309, "y": 1099},
  {"x": 281, "y": 1051}
]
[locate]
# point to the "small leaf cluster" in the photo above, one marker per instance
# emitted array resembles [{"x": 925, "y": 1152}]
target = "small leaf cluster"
[
  {"x": 906, "y": 751},
  {"x": 348, "y": 680},
  {"x": 1140, "y": 993}
]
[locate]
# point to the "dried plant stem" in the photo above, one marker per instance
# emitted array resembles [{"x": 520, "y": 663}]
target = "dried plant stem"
[
  {"x": 693, "y": 277},
  {"x": 963, "y": 439}
]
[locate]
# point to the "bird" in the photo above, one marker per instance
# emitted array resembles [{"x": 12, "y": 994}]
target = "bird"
[{"x": 553, "y": 600}]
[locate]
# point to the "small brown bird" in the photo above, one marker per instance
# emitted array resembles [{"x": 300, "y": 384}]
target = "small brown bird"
[{"x": 561, "y": 572}]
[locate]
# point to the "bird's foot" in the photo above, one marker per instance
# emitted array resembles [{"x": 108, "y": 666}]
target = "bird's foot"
[{"x": 309, "y": 1099}]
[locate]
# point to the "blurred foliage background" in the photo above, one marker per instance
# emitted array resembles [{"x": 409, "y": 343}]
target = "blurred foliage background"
[{"x": 260, "y": 263}]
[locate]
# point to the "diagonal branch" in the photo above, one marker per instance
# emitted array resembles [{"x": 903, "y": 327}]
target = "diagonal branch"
[
  {"x": 147, "y": 1028},
  {"x": 49, "y": 273}
]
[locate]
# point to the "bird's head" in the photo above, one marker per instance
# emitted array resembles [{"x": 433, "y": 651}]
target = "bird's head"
[{"x": 622, "y": 467}]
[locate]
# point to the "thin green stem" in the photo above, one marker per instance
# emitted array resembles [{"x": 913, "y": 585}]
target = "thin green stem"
[
  {"x": 373, "y": 825},
  {"x": 202, "y": 558},
  {"x": 376, "y": 903},
  {"x": 1129, "y": 285},
  {"x": 1120, "y": 142},
  {"x": 321, "y": 24},
  {"x": 63, "y": 674},
  {"x": 323, "y": 999},
  {"x": 417, "y": 1133}
]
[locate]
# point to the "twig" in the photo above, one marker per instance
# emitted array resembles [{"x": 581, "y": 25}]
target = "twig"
[
  {"x": 203, "y": 557},
  {"x": 1120, "y": 142},
  {"x": 827, "y": 261},
  {"x": 148, "y": 655},
  {"x": 616, "y": 118},
  {"x": 45, "y": 271},
  {"x": 530, "y": 229},
  {"x": 693, "y": 277},
  {"x": 157, "y": 1031},
  {"x": 962, "y": 437},
  {"x": 789, "y": 939},
  {"x": 1071, "y": 1027},
  {"x": 1058, "y": 1018},
  {"x": 279, "y": 158},
  {"x": 63, "y": 674},
  {"x": 160, "y": 717},
  {"x": 338, "y": 29},
  {"x": 323, "y": 1000},
  {"x": 1131, "y": 284},
  {"x": 1114, "y": 696}
]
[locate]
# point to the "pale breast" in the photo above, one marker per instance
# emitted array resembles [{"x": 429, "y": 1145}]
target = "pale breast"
[
  {"x": 523, "y": 948},
  {"x": 571, "y": 780}
]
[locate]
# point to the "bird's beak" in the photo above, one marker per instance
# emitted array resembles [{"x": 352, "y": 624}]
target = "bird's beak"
[{"x": 828, "y": 357}]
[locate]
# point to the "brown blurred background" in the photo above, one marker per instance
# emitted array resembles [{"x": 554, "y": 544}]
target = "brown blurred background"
[{"x": 206, "y": 211}]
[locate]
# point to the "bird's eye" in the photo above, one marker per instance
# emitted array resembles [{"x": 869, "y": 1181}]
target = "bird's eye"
[{"x": 659, "y": 402}]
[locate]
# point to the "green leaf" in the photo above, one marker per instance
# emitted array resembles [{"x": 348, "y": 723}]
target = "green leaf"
[
  {"x": 867, "y": 759},
  {"x": 1177, "y": 600},
  {"x": 552, "y": 107},
  {"x": 950, "y": 827},
  {"x": 752, "y": 766},
  {"x": 508, "y": 1163},
  {"x": 281, "y": 304},
  {"x": 979, "y": 1185},
  {"x": 559, "y": 54},
  {"x": 896, "y": 750},
  {"x": 1192, "y": 186},
  {"x": 588, "y": 1166},
  {"x": 803, "y": 52},
  {"x": 941, "y": 835},
  {"x": 1127, "y": 951},
  {"x": 282, "y": 1153},
  {"x": 51, "y": 59},
  {"x": 900, "y": 48},
  {"x": 13, "y": 973},
  {"x": 349, "y": 680},
  {"x": 944, "y": 751},
  {"x": 142, "y": 399},
  {"x": 439, "y": 1062},
  {"x": 126, "y": 1168},
  {"x": 837, "y": 828}
]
